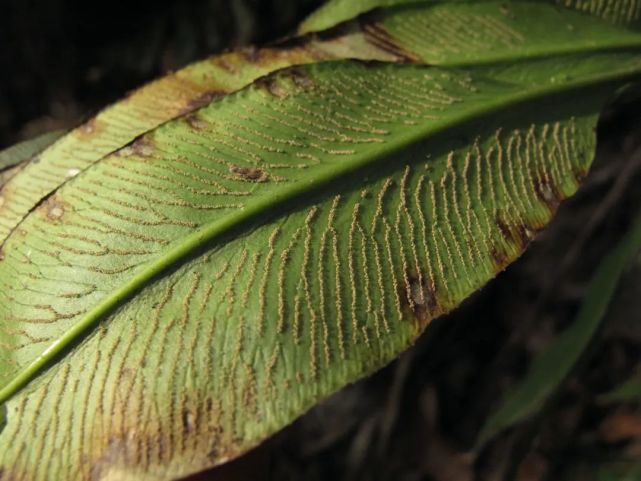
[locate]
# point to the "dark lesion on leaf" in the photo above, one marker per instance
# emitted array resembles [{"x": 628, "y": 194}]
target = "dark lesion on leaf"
[
  {"x": 222, "y": 447},
  {"x": 54, "y": 209},
  {"x": 515, "y": 235},
  {"x": 89, "y": 129},
  {"x": 377, "y": 35},
  {"x": 249, "y": 174},
  {"x": 548, "y": 193},
  {"x": 300, "y": 78},
  {"x": 142, "y": 146},
  {"x": 195, "y": 122},
  {"x": 279, "y": 84},
  {"x": 256, "y": 56},
  {"x": 418, "y": 298},
  {"x": 205, "y": 98},
  {"x": 189, "y": 421},
  {"x": 500, "y": 257},
  {"x": 272, "y": 86},
  {"x": 581, "y": 172}
]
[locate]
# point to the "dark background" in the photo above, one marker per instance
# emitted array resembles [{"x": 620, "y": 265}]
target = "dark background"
[
  {"x": 416, "y": 420},
  {"x": 61, "y": 60}
]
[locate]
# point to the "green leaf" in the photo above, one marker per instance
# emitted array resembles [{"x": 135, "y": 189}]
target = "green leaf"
[
  {"x": 196, "y": 291},
  {"x": 16, "y": 156},
  {"x": 552, "y": 366},
  {"x": 178, "y": 299},
  {"x": 154, "y": 104},
  {"x": 490, "y": 32},
  {"x": 629, "y": 391},
  {"x": 487, "y": 33},
  {"x": 334, "y": 12},
  {"x": 619, "y": 471}
]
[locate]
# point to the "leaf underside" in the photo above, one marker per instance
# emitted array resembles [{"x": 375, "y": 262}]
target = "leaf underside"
[
  {"x": 486, "y": 33},
  {"x": 16, "y": 157},
  {"x": 622, "y": 12},
  {"x": 195, "y": 290}
]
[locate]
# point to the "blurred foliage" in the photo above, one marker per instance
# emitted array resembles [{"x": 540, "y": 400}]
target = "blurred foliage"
[{"x": 555, "y": 363}]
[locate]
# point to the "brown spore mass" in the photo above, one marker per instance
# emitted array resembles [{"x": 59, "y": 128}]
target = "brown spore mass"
[{"x": 249, "y": 174}]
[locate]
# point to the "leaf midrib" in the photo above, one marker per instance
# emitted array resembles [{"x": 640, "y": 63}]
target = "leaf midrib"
[
  {"x": 260, "y": 208},
  {"x": 512, "y": 58}
]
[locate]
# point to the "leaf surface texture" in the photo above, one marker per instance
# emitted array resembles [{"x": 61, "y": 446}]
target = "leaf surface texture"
[{"x": 186, "y": 295}]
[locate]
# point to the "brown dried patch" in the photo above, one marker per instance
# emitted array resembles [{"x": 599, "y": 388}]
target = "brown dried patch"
[
  {"x": 221, "y": 449},
  {"x": 272, "y": 86},
  {"x": 132, "y": 444},
  {"x": 419, "y": 298},
  {"x": 548, "y": 194},
  {"x": 516, "y": 236},
  {"x": 189, "y": 421},
  {"x": 91, "y": 128},
  {"x": 249, "y": 174},
  {"x": 500, "y": 258},
  {"x": 380, "y": 38},
  {"x": 201, "y": 100},
  {"x": 54, "y": 208},
  {"x": 252, "y": 54},
  {"x": 268, "y": 57},
  {"x": 300, "y": 78},
  {"x": 195, "y": 122},
  {"x": 2, "y": 256},
  {"x": 142, "y": 146},
  {"x": 223, "y": 62},
  {"x": 580, "y": 175}
]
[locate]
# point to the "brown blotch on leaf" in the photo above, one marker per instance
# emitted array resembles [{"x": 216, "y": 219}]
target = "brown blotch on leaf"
[
  {"x": 189, "y": 421},
  {"x": 252, "y": 54},
  {"x": 418, "y": 298},
  {"x": 378, "y": 36},
  {"x": 548, "y": 194},
  {"x": 142, "y": 146},
  {"x": 500, "y": 258},
  {"x": 249, "y": 174},
  {"x": 90, "y": 128},
  {"x": 54, "y": 208},
  {"x": 195, "y": 122},
  {"x": 272, "y": 86},
  {"x": 1, "y": 259},
  {"x": 300, "y": 78},
  {"x": 580, "y": 175},
  {"x": 517, "y": 235},
  {"x": 201, "y": 100},
  {"x": 222, "y": 447},
  {"x": 223, "y": 61},
  {"x": 268, "y": 57}
]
